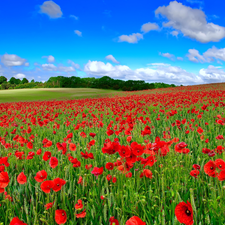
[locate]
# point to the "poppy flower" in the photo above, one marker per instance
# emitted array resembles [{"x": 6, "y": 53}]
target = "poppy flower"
[
  {"x": 135, "y": 220},
  {"x": 80, "y": 180},
  {"x": 220, "y": 164},
  {"x": 53, "y": 162},
  {"x": 17, "y": 221},
  {"x": 114, "y": 180},
  {"x": 47, "y": 185},
  {"x": 109, "y": 166},
  {"x": 79, "y": 204},
  {"x": 47, "y": 155},
  {"x": 194, "y": 173},
  {"x": 184, "y": 213},
  {"x": 113, "y": 221},
  {"x": 30, "y": 145},
  {"x": 210, "y": 168},
  {"x": 97, "y": 171},
  {"x": 81, "y": 215},
  {"x": 124, "y": 151},
  {"x": 92, "y": 134},
  {"x": 49, "y": 205},
  {"x": 196, "y": 167},
  {"x": 72, "y": 147},
  {"x": 4, "y": 179},
  {"x": 60, "y": 216},
  {"x": 21, "y": 179},
  {"x": 58, "y": 183},
  {"x": 41, "y": 176},
  {"x": 108, "y": 177},
  {"x": 221, "y": 175},
  {"x": 39, "y": 151}
]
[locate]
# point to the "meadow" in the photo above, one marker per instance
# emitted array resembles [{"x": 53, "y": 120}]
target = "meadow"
[{"x": 128, "y": 158}]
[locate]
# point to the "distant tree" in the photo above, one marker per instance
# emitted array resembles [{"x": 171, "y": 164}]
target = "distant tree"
[
  {"x": 24, "y": 81},
  {"x": 13, "y": 80},
  {"x": 3, "y": 79},
  {"x": 32, "y": 81}
]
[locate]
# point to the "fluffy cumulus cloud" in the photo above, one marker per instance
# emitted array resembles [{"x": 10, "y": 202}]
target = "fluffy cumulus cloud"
[
  {"x": 210, "y": 55},
  {"x": 20, "y": 76},
  {"x": 212, "y": 74},
  {"x": 78, "y": 33},
  {"x": 12, "y": 60},
  {"x": 132, "y": 38},
  {"x": 191, "y": 22},
  {"x": 149, "y": 26},
  {"x": 51, "y": 59},
  {"x": 49, "y": 67},
  {"x": 51, "y": 9},
  {"x": 157, "y": 72},
  {"x": 110, "y": 57}
]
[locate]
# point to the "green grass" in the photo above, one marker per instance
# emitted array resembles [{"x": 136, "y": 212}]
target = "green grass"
[{"x": 15, "y": 95}]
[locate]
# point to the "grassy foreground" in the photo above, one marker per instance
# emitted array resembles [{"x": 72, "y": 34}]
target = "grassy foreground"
[{"x": 16, "y": 95}]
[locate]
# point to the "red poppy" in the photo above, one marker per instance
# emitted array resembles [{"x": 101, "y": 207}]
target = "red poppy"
[
  {"x": 53, "y": 162},
  {"x": 114, "y": 180},
  {"x": 124, "y": 151},
  {"x": 58, "y": 183},
  {"x": 113, "y": 221},
  {"x": 60, "y": 216},
  {"x": 92, "y": 134},
  {"x": 194, "y": 173},
  {"x": 47, "y": 155},
  {"x": 81, "y": 215},
  {"x": 17, "y": 221},
  {"x": 39, "y": 151},
  {"x": 41, "y": 176},
  {"x": 184, "y": 213},
  {"x": 196, "y": 166},
  {"x": 47, "y": 185},
  {"x": 88, "y": 166},
  {"x": 97, "y": 171},
  {"x": 49, "y": 205},
  {"x": 135, "y": 220},
  {"x": 210, "y": 168},
  {"x": 80, "y": 180},
  {"x": 79, "y": 204},
  {"x": 72, "y": 147},
  {"x": 220, "y": 164},
  {"x": 29, "y": 145},
  {"x": 221, "y": 175},
  {"x": 4, "y": 179},
  {"x": 108, "y": 177},
  {"x": 147, "y": 173},
  {"x": 21, "y": 179},
  {"x": 109, "y": 166}
]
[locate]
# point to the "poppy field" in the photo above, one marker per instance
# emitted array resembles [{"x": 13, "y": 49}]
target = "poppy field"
[{"x": 142, "y": 158}]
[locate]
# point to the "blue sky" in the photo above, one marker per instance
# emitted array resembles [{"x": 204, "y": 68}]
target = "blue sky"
[{"x": 179, "y": 42}]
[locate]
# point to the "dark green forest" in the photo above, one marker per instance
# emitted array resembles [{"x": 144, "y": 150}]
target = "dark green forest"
[{"x": 77, "y": 82}]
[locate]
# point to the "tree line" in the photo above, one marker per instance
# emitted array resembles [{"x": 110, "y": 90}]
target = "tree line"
[{"x": 77, "y": 82}]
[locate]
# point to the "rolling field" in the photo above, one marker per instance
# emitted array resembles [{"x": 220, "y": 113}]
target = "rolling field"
[
  {"x": 42, "y": 94},
  {"x": 140, "y": 158}
]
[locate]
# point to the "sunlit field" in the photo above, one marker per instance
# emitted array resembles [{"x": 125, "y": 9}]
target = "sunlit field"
[
  {"x": 144, "y": 158},
  {"x": 42, "y": 94}
]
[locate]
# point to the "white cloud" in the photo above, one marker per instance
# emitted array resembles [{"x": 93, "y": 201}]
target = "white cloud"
[
  {"x": 210, "y": 55},
  {"x": 78, "y": 33},
  {"x": 194, "y": 56},
  {"x": 162, "y": 73},
  {"x": 180, "y": 58},
  {"x": 149, "y": 26},
  {"x": 132, "y": 38},
  {"x": 51, "y": 9},
  {"x": 158, "y": 64},
  {"x": 51, "y": 59},
  {"x": 19, "y": 76},
  {"x": 212, "y": 74},
  {"x": 12, "y": 60},
  {"x": 66, "y": 69},
  {"x": 49, "y": 67},
  {"x": 174, "y": 33},
  {"x": 39, "y": 77},
  {"x": 215, "y": 53},
  {"x": 26, "y": 64},
  {"x": 77, "y": 66},
  {"x": 75, "y": 17},
  {"x": 167, "y": 55},
  {"x": 191, "y": 22},
  {"x": 110, "y": 57}
]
